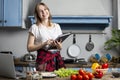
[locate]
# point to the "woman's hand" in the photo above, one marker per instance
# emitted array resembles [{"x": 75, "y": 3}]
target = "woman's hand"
[
  {"x": 58, "y": 44},
  {"x": 49, "y": 42},
  {"x": 54, "y": 43}
]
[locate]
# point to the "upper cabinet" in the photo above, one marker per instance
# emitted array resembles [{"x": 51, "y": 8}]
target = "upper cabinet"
[{"x": 10, "y": 13}]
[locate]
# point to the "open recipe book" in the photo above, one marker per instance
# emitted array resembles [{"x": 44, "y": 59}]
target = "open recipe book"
[{"x": 61, "y": 38}]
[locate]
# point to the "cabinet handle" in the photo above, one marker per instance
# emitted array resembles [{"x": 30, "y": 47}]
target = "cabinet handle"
[
  {"x": 0, "y": 21},
  {"x": 5, "y": 21}
]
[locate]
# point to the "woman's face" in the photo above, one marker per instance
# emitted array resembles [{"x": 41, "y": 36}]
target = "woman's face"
[{"x": 43, "y": 12}]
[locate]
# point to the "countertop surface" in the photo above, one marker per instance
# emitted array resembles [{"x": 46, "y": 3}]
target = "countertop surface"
[{"x": 105, "y": 77}]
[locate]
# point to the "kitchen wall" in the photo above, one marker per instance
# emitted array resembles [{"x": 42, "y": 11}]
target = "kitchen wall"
[
  {"x": 79, "y": 7},
  {"x": 15, "y": 40}
]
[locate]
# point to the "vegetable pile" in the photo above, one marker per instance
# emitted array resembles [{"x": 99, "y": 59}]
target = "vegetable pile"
[
  {"x": 83, "y": 75},
  {"x": 80, "y": 74},
  {"x": 99, "y": 70}
]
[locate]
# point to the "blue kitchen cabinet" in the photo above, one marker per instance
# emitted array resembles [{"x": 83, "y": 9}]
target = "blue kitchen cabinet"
[
  {"x": 1, "y": 12},
  {"x": 10, "y": 13}
]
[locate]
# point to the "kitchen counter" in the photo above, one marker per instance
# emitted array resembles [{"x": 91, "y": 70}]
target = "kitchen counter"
[
  {"x": 105, "y": 77},
  {"x": 68, "y": 65},
  {"x": 88, "y": 65}
]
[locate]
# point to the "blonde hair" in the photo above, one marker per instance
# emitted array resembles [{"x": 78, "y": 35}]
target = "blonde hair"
[{"x": 38, "y": 19}]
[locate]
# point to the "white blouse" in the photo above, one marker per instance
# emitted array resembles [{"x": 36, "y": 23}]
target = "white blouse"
[{"x": 42, "y": 33}]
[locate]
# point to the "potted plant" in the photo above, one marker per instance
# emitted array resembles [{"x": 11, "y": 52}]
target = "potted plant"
[{"x": 114, "y": 41}]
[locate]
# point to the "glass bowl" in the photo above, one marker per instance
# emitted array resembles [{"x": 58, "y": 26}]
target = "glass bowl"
[
  {"x": 116, "y": 72},
  {"x": 103, "y": 70}
]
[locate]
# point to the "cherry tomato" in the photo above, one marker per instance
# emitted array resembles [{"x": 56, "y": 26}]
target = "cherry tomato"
[
  {"x": 90, "y": 75},
  {"x": 79, "y": 77},
  {"x": 82, "y": 72},
  {"x": 86, "y": 77},
  {"x": 105, "y": 65},
  {"x": 98, "y": 74},
  {"x": 97, "y": 71},
  {"x": 73, "y": 77}
]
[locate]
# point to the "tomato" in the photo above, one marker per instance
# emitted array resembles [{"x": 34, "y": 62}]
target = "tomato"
[
  {"x": 79, "y": 77},
  {"x": 90, "y": 75},
  {"x": 86, "y": 77},
  {"x": 98, "y": 71},
  {"x": 98, "y": 74},
  {"x": 73, "y": 77},
  {"x": 105, "y": 65},
  {"x": 82, "y": 72}
]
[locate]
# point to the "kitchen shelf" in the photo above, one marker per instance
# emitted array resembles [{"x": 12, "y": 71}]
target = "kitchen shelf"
[{"x": 80, "y": 22}]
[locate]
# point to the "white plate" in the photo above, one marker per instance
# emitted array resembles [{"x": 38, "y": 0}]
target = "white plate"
[{"x": 48, "y": 74}]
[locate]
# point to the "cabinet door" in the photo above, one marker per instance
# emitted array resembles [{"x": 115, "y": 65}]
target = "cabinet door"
[
  {"x": 1, "y": 12},
  {"x": 12, "y": 13}
]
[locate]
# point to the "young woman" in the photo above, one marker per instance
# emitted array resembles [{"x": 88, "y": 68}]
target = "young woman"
[{"x": 42, "y": 34}]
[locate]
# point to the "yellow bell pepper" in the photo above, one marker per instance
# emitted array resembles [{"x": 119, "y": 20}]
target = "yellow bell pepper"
[{"x": 94, "y": 66}]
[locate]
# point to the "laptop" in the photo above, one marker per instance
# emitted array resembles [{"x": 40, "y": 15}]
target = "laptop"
[{"x": 7, "y": 67}]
